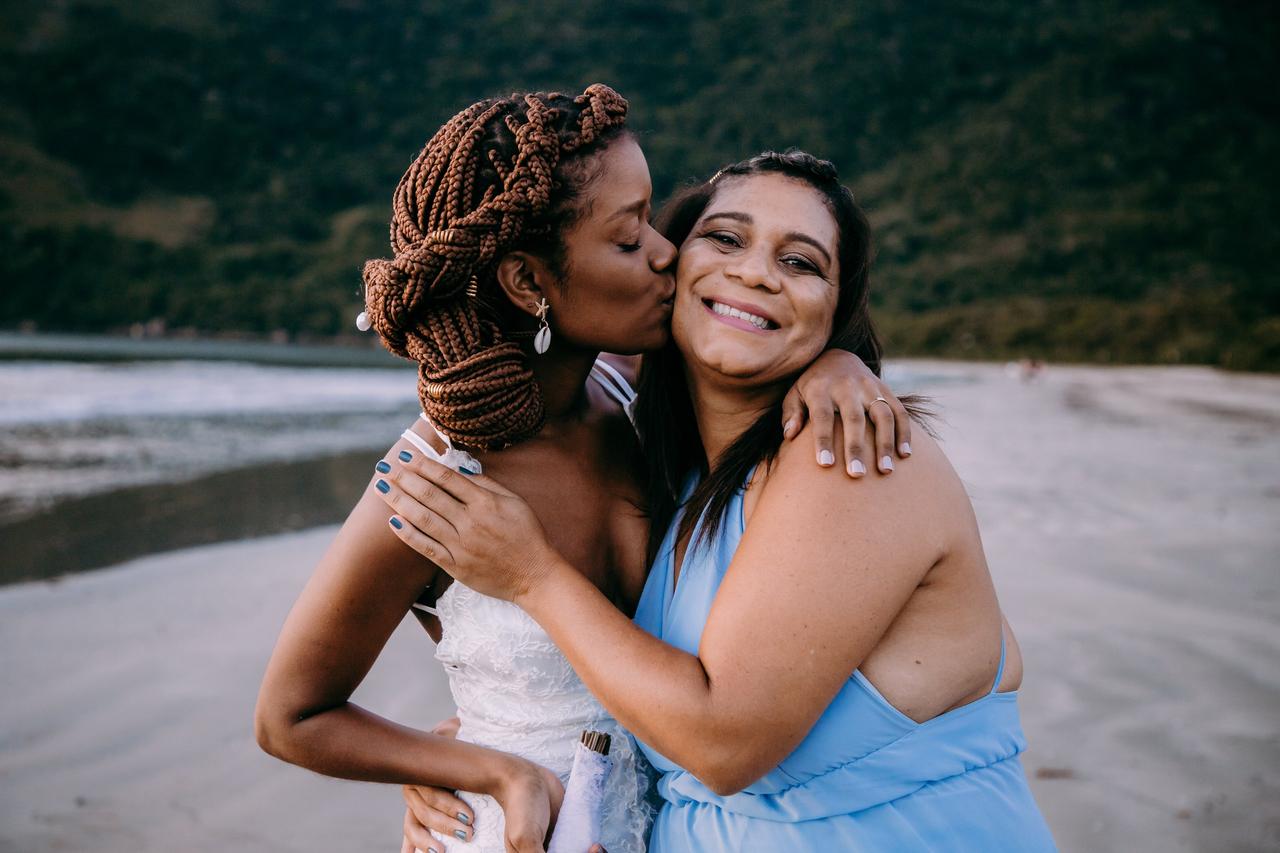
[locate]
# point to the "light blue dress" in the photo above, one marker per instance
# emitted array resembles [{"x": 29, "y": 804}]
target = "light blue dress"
[{"x": 866, "y": 777}]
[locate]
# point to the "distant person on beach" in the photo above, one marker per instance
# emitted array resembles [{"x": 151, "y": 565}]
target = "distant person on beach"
[
  {"x": 1031, "y": 369},
  {"x": 814, "y": 664},
  {"x": 523, "y": 250}
]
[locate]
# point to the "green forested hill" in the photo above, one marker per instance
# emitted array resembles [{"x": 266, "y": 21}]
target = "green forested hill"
[{"x": 1074, "y": 180}]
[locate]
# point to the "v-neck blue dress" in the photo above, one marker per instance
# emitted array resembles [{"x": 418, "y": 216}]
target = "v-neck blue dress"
[{"x": 865, "y": 778}]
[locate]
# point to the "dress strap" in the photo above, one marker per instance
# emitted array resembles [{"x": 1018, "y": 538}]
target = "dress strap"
[
  {"x": 1000, "y": 668},
  {"x": 452, "y": 456},
  {"x": 611, "y": 380},
  {"x": 425, "y": 608}
]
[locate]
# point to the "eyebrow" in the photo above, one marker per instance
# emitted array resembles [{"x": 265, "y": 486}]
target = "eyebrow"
[
  {"x": 796, "y": 236},
  {"x": 632, "y": 209}
]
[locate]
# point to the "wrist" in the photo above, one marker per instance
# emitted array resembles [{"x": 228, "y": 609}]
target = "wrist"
[
  {"x": 504, "y": 772},
  {"x": 546, "y": 572},
  {"x": 517, "y": 775}
]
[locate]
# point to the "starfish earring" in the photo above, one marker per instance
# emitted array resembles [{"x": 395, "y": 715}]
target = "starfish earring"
[{"x": 542, "y": 340}]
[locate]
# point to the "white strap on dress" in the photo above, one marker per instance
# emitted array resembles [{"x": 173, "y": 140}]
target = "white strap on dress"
[{"x": 616, "y": 387}]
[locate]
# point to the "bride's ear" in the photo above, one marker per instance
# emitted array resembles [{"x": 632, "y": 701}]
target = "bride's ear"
[{"x": 525, "y": 279}]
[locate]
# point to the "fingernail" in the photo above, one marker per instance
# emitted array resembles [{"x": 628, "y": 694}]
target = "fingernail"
[
  {"x": 826, "y": 458},
  {"x": 905, "y": 448},
  {"x": 384, "y": 487},
  {"x": 789, "y": 427},
  {"x": 396, "y": 523},
  {"x": 886, "y": 463},
  {"x": 468, "y": 472},
  {"x": 405, "y": 456},
  {"x": 432, "y": 850},
  {"x": 462, "y": 816},
  {"x": 856, "y": 468},
  {"x": 382, "y": 467},
  {"x": 460, "y": 834}
]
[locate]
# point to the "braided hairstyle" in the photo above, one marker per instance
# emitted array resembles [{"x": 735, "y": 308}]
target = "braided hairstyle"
[{"x": 503, "y": 175}]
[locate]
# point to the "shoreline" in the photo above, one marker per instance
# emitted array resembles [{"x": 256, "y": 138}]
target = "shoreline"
[
  {"x": 348, "y": 351},
  {"x": 363, "y": 350}
]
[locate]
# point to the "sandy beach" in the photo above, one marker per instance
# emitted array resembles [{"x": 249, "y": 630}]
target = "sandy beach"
[{"x": 1130, "y": 520}]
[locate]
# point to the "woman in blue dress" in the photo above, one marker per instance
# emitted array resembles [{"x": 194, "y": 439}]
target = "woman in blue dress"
[{"x": 815, "y": 664}]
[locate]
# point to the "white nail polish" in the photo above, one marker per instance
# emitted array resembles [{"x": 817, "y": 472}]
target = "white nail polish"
[
  {"x": 905, "y": 448},
  {"x": 886, "y": 463},
  {"x": 826, "y": 458},
  {"x": 788, "y": 427},
  {"x": 856, "y": 468}
]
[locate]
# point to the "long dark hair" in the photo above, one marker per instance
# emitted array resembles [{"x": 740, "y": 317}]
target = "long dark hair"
[{"x": 664, "y": 410}]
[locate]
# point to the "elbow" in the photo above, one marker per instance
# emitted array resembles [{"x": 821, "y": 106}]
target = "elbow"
[
  {"x": 273, "y": 729},
  {"x": 728, "y": 770},
  {"x": 726, "y": 782}
]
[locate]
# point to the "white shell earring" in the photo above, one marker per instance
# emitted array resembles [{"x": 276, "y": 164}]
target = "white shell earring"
[
  {"x": 363, "y": 323},
  {"x": 542, "y": 340}
]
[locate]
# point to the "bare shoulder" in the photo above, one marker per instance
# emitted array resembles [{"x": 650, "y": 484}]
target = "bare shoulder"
[
  {"x": 365, "y": 544},
  {"x": 919, "y": 498}
]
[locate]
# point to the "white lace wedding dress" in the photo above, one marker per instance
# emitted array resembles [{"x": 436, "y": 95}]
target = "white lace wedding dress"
[{"x": 516, "y": 692}]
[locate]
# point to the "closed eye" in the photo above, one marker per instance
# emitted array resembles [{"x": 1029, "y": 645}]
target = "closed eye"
[{"x": 629, "y": 247}]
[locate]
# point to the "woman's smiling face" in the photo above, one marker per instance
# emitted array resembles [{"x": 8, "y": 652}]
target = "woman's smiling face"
[{"x": 757, "y": 281}]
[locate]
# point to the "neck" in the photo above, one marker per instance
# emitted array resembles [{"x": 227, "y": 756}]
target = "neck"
[
  {"x": 724, "y": 411},
  {"x": 562, "y": 374}
]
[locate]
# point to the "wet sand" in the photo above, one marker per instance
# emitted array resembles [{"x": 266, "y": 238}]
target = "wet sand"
[
  {"x": 104, "y": 529},
  {"x": 1129, "y": 517}
]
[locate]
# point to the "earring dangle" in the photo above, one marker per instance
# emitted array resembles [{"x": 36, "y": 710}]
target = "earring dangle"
[
  {"x": 363, "y": 323},
  {"x": 542, "y": 341}
]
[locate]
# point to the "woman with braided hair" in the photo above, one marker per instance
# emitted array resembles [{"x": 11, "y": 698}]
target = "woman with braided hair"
[{"x": 522, "y": 250}]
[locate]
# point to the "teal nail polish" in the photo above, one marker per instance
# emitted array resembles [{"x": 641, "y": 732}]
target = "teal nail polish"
[
  {"x": 382, "y": 486},
  {"x": 460, "y": 834},
  {"x": 382, "y": 467},
  {"x": 395, "y": 522},
  {"x": 406, "y": 456},
  {"x": 462, "y": 816},
  {"x": 468, "y": 472}
]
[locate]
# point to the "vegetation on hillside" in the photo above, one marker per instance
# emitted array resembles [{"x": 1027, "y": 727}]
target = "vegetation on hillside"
[{"x": 1075, "y": 180}]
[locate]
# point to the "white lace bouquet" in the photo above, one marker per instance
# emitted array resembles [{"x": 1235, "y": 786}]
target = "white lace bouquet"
[{"x": 578, "y": 826}]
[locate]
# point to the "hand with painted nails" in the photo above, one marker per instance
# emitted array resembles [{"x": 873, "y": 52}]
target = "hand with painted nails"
[
  {"x": 471, "y": 526},
  {"x": 441, "y": 809},
  {"x": 840, "y": 382}
]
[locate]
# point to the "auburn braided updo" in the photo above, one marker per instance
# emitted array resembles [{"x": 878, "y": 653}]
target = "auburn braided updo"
[{"x": 500, "y": 176}]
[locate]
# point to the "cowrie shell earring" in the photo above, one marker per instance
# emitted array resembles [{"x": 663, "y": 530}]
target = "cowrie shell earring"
[
  {"x": 542, "y": 340},
  {"x": 363, "y": 323}
]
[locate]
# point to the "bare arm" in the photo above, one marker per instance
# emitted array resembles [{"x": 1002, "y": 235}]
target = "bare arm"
[
  {"x": 829, "y": 563},
  {"x": 358, "y": 594}
]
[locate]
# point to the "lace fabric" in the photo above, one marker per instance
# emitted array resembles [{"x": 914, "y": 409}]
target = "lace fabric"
[{"x": 515, "y": 691}]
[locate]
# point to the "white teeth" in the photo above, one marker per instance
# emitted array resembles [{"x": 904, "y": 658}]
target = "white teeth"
[{"x": 729, "y": 311}]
